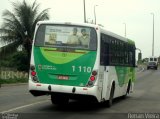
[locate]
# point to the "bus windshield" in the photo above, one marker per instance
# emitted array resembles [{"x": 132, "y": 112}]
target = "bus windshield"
[
  {"x": 155, "y": 59},
  {"x": 60, "y": 36}
]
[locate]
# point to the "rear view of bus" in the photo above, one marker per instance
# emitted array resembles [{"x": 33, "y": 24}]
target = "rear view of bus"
[{"x": 63, "y": 61}]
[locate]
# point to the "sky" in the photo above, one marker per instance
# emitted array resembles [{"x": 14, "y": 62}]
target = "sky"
[{"x": 112, "y": 14}]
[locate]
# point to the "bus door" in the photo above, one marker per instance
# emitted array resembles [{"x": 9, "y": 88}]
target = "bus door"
[{"x": 105, "y": 82}]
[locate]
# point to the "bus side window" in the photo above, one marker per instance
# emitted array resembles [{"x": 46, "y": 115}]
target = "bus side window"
[
  {"x": 104, "y": 54},
  {"x": 102, "y": 50}
]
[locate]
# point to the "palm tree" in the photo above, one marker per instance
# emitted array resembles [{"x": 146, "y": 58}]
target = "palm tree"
[{"x": 18, "y": 27}]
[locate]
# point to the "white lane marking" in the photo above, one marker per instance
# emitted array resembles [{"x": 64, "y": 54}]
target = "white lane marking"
[
  {"x": 24, "y": 106},
  {"x": 141, "y": 70}
]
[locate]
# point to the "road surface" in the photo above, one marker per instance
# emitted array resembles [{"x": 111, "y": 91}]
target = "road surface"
[{"x": 145, "y": 101}]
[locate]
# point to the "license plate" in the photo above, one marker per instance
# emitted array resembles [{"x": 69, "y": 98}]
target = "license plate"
[{"x": 63, "y": 77}]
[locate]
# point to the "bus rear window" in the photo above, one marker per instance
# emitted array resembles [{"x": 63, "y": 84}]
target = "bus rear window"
[
  {"x": 155, "y": 59},
  {"x": 76, "y": 37}
]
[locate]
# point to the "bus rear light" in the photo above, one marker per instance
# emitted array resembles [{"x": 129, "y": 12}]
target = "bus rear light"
[
  {"x": 94, "y": 73},
  {"x": 35, "y": 79},
  {"x": 92, "y": 78},
  {"x": 90, "y": 83},
  {"x": 32, "y": 68},
  {"x": 33, "y": 73}
]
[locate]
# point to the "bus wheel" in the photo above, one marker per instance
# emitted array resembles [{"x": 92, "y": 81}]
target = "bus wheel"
[
  {"x": 59, "y": 99},
  {"x": 128, "y": 90},
  {"x": 108, "y": 103}
]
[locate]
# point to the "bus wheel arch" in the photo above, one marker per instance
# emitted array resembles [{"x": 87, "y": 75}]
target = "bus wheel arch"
[
  {"x": 128, "y": 89},
  {"x": 109, "y": 102}
]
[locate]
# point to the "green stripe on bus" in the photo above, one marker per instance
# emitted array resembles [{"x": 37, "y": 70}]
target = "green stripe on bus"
[
  {"x": 124, "y": 74},
  {"x": 59, "y": 57}
]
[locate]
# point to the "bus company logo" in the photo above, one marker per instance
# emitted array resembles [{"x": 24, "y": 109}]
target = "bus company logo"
[
  {"x": 46, "y": 67},
  {"x": 40, "y": 67}
]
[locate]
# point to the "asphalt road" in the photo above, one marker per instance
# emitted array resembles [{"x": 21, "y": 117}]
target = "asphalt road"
[{"x": 145, "y": 101}]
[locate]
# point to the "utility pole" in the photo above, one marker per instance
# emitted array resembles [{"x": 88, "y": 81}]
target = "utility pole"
[
  {"x": 84, "y": 11},
  {"x": 95, "y": 13},
  {"x": 153, "y": 36},
  {"x": 124, "y": 29}
]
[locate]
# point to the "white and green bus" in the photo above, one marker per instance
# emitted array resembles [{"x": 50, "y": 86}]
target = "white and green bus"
[{"x": 100, "y": 68}]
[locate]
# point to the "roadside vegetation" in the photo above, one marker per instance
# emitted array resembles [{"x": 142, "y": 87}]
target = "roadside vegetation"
[
  {"x": 11, "y": 81},
  {"x": 17, "y": 33}
]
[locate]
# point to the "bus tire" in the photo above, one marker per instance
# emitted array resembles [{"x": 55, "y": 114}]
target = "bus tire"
[
  {"x": 59, "y": 99},
  {"x": 128, "y": 90},
  {"x": 108, "y": 103}
]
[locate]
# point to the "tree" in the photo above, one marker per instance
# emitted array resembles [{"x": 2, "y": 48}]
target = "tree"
[{"x": 18, "y": 27}]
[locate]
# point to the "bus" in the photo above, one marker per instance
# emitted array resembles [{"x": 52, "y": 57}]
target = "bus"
[
  {"x": 102, "y": 67},
  {"x": 152, "y": 63}
]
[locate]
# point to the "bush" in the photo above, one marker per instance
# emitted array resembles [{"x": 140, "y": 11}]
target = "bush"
[{"x": 18, "y": 60}]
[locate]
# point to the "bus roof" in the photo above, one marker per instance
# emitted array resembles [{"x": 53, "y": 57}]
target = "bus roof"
[
  {"x": 153, "y": 57},
  {"x": 67, "y": 23},
  {"x": 102, "y": 29},
  {"x": 117, "y": 36}
]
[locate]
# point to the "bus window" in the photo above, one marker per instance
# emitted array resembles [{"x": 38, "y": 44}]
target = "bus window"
[
  {"x": 60, "y": 36},
  {"x": 155, "y": 59},
  {"x": 151, "y": 59}
]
